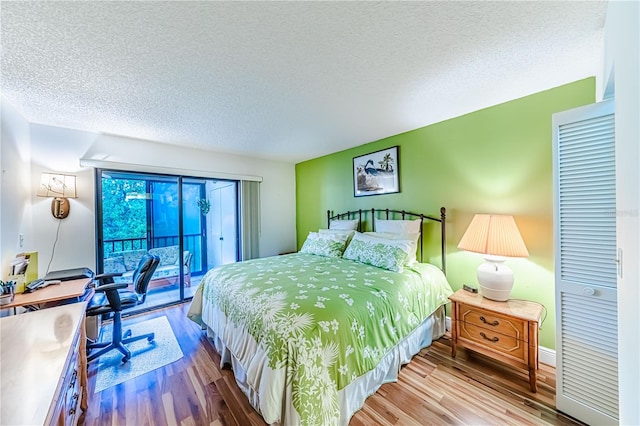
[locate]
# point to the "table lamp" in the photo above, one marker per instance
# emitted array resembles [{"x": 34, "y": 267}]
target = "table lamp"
[{"x": 495, "y": 236}]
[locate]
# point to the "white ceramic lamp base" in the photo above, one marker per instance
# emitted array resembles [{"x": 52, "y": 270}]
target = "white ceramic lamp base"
[{"x": 495, "y": 279}]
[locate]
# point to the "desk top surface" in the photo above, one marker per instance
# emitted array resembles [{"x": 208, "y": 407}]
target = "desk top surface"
[
  {"x": 35, "y": 347},
  {"x": 64, "y": 290}
]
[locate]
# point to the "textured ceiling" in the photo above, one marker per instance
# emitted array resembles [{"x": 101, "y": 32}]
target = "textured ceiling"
[{"x": 285, "y": 80}]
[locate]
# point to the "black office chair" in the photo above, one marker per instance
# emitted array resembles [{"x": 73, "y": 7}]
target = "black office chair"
[{"x": 110, "y": 298}]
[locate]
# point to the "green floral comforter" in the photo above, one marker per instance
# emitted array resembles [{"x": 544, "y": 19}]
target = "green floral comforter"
[{"x": 324, "y": 321}]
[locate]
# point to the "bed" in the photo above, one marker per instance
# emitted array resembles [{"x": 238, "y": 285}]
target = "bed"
[{"x": 311, "y": 335}]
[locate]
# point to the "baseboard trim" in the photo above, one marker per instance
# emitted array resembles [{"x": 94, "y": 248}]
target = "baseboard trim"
[{"x": 545, "y": 355}]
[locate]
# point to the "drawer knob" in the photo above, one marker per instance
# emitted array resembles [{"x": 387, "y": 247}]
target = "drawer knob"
[
  {"x": 494, "y": 323},
  {"x": 492, "y": 339}
]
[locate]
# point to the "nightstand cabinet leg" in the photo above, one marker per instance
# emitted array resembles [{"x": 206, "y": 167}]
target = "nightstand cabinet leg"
[
  {"x": 533, "y": 356},
  {"x": 533, "y": 379},
  {"x": 454, "y": 329}
]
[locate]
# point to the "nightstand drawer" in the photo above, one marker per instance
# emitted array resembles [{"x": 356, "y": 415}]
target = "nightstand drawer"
[
  {"x": 494, "y": 323},
  {"x": 506, "y": 345}
]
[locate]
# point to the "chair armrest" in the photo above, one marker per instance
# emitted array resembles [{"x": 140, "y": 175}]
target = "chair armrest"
[
  {"x": 104, "y": 288},
  {"x": 104, "y": 277},
  {"x": 113, "y": 296}
]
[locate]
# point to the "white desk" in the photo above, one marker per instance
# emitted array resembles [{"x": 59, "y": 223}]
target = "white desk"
[{"x": 43, "y": 371}]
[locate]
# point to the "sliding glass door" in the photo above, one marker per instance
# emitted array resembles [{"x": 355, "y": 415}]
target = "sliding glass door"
[{"x": 190, "y": 223}]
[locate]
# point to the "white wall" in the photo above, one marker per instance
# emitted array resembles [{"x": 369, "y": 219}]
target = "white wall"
[
  {"x": 58, "y": 149},
  {"x": 621, "y": 59},
  {"x": 15, "y": 205}
]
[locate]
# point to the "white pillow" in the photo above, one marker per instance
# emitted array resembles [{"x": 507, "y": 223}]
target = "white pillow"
[
  {"x": 344, "y": 225},
  {"x": 409, "y": 237},
  {"x": 403, "y": 227},
  {"x": 379, "y": 252},
  {"x": 339, "y": 232}
]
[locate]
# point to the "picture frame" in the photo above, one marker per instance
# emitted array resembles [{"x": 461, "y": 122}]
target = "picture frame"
[{"x": 376, "y": 173}]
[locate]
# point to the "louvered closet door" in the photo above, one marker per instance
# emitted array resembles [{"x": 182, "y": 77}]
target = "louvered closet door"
[{"x": 586, "y": 268}]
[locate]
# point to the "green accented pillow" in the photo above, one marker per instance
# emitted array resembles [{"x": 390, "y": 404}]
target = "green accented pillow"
[
  {"x": 339, "y": 232},
  {"x": 328, "y": 245},
  {"x": 379, "y": 252}
]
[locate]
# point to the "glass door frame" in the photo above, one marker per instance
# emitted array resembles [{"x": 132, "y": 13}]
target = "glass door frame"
[{"x": 100, "y": 233}]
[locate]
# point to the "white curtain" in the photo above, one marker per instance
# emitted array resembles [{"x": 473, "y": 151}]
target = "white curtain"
[{"x": 250, "y": 211}]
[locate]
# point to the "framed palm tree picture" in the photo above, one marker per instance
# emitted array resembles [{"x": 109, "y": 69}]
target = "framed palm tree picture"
[{"x": 376, "y": 173}]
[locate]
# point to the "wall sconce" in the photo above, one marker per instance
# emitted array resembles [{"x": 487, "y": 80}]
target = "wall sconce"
[{"x": 60, "y": 187}]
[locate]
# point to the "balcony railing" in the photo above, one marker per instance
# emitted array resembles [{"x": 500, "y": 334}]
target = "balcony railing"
[
  {"x": 192, "y": 242},
  {"x": 111, "y": 246}
]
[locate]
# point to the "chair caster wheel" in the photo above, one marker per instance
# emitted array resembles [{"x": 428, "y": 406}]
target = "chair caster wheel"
[
  {"x": 150, "y": 339},
  {"x": 125, "y": 359}
]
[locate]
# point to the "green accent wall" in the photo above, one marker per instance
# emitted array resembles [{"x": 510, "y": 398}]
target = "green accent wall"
[{"x": 496, "y": 160}]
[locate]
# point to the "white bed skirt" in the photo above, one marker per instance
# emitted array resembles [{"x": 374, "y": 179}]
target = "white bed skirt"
[{"x": 266, "y": 389}]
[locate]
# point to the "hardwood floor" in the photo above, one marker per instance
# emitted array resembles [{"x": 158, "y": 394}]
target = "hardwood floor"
[{"x": 433, "y": 389}]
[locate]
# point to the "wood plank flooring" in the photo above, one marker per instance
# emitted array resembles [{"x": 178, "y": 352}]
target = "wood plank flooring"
[{"x": 433, "y": 389}]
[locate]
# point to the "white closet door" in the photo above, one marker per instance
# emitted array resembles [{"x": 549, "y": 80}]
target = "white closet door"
[{"x": 585, "y": 267}]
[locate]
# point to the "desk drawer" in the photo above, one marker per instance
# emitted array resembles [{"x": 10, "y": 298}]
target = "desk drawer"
[
  {"x": 494, "y": 323},
  {"x": 500, "y": 343},
  {"x": 72, "y": 402},
  {"x": 72, "y": 390}
]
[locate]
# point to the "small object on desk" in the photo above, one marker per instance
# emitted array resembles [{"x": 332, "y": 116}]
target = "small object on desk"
[
  {"x": 470, "y": 289},
  {"x": 40, "y": 283},
  {"x": 6, "y": 298},
  {"x": 34, "y": 285},
  {"x": 70, "y": 274},
  {"x": 7, "y": 292},
  {"x": 7, "y": 287}
]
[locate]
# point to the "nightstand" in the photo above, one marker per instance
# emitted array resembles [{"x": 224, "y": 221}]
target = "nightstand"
[{"x": 506, "y": 331}]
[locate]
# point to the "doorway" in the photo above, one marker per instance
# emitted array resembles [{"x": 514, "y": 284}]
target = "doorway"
[{"x": 223, "y": 242}]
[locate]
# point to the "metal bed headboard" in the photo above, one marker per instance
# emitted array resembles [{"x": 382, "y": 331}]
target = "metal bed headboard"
[{"x": 393, "y": 214}]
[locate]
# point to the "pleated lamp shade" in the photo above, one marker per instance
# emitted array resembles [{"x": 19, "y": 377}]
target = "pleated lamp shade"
[
  {"x": 495, "y": 236},
  {"x": 57, "y": 185}
]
